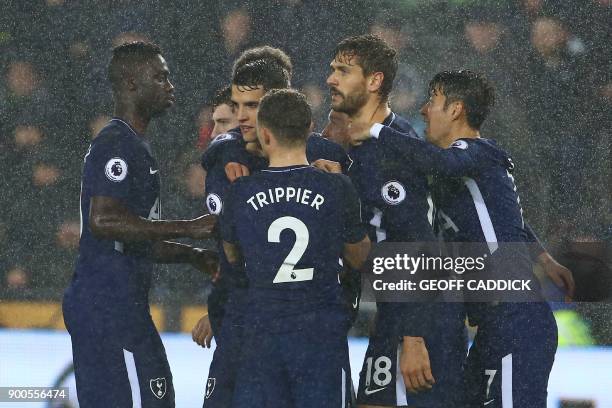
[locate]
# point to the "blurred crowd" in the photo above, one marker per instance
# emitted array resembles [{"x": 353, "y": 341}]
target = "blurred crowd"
[{"x": 550, "y": 61}]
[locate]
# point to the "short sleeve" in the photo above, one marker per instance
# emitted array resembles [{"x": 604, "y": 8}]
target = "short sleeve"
[
  {"x": 354, "y": 229},
  {"x": 110, "y": 169}
]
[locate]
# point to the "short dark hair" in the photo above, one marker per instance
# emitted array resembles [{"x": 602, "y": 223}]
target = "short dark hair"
[
  {"x": 287, "y": 114},
  {"x": 261, "y": 72},
  {"x": 223, "y": 96},
  {"x": 264, "y": 52},
  {"x": 373, "y": 55},
  {"x": 125, "y": 58},
  {"x": 471, "y": 88}
]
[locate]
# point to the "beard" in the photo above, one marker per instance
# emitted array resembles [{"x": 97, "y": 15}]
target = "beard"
[{"x": 351, "y": 103}]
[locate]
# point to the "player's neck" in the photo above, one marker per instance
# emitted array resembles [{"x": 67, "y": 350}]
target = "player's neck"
[
  {"x": 463, "y": 131},
  {"x": 288, "y": 157},
  {"x": 254, "y": 148},
  {"x": 374, "y": 111},
  {"x": 129, "y": 114}
]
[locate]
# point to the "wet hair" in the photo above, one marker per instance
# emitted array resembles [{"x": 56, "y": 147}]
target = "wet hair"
[
  {"x": 373, "y": 55},
  {"x": 287, "y": 114},
  {"x": 261, "y": 72},
  {"x": 266, "y": 53},
  {"x": 223, "y": 96},
  {"x": 471, "y": 88},
  {"x": 126, "y": 59}
]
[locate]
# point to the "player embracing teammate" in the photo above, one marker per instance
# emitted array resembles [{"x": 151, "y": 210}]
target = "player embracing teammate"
[
  {"x": 474, "y": 192},
  {"x": 280, "y": 238}
]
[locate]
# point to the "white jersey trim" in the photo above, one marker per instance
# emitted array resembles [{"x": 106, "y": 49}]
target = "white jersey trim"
[
  {"x": 285, "y": 170},
  {"x": 376, "y": 221},
  {"x": 130, "y": 364},
  {"x": 400, "y": 386},
  {"x": 343, "y": 389},
  {"x": 506, "y": 381},
  {"x": 483, "y": 214}
]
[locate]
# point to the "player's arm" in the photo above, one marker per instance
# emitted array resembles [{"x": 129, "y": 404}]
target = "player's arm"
[
  {"x": 424, "y": 156},
  {"x": 110, "y": 219},
  {"x": 228, "y": 152},
  {"x": 328, "y": 166},
  {"x": 202, "y": 332},
  {"x": 232, "y": 253},
  {"x": 357, "y": 253},
  {"x": 235, "y": 161},
  {"x": 559, "y": 274},
  {"x": 228, "y": 229},
  {"x": 356, "y": 242},
  {"x": 326, "y": 154},
  {"x": 204, "y": 260}
]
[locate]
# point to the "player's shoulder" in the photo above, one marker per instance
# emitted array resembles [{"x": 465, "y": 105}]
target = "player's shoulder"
[
  {"x": 318, "y": 147},
  {"x": 112, "y": 131},
  {"x": 338, "y": 181},
  {"x": 480, "y": 145},
  {"x": 114, "y": 137},
  {"x": 400, "y": 124},
  {"x": 229, "y": 136},
  {"x": 484, "y": 149},
  {"x": 316, "y": 139},
  {"x": 232, "y": 139}
]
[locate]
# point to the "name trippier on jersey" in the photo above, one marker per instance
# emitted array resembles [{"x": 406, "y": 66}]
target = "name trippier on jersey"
[{"x": 285, "y": 195}]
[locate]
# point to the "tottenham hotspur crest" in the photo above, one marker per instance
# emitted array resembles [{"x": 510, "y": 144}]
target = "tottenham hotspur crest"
[
  {"x": 393, "y": 192},
  {"x": 158, "y": 387}
]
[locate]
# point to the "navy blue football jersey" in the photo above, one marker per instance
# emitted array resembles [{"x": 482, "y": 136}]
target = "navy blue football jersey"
[
  {"x": 214, "y": 159},
  {"x": 475, "y": 198},
  {"x": 474, "y": 191},
  {"x": 118, "y": 164},
  {"x": 396, "y": 204},
  {"x": 291, "y": 224},
  {"x": 394, "y": 193},
  {"x": 230, "y": 147}
]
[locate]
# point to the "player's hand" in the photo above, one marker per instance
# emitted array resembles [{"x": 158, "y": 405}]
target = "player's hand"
[
  {"x": 205, "y": 260},
  {"x": 359, "y": 131},
  {"x": 202, "y": 332},
  {"x": 327, "y": 165},
  {"x": 235, "y": 170},
  {"x": 559, "y": 274},
  {"x": 202, "y": 227},
  {"x": 415, "y": 366}
]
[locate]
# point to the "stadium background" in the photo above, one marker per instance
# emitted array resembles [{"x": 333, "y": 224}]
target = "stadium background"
[{"x": 550, "y": 60}]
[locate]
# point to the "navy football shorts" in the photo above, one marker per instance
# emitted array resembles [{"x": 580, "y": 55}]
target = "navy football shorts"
[
  {"x": 381, "y": 382},
  {"x": 117, "y": 366},
  {"x": 511, "y": 358},
  {"x": 306, "y": 368},
  {"x": 224, "y": 365}
]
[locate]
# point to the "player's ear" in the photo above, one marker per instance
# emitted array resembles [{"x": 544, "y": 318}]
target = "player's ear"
[
  {"x": 375, "y": 81},
  {"x": 457, "y": 110},
  {"x": 266, "y": 136}
]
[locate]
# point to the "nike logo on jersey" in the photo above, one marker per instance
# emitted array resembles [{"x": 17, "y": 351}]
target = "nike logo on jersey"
[
  {"x": 151, "y": 171},
  {"x": 356, "y": 302},
  {"x": 370, "y": 392},
  {"x": 488, "y": 402}
]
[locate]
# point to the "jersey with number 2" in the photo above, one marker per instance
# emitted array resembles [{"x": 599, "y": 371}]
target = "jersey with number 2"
[{"x": 291, "y": 224}]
